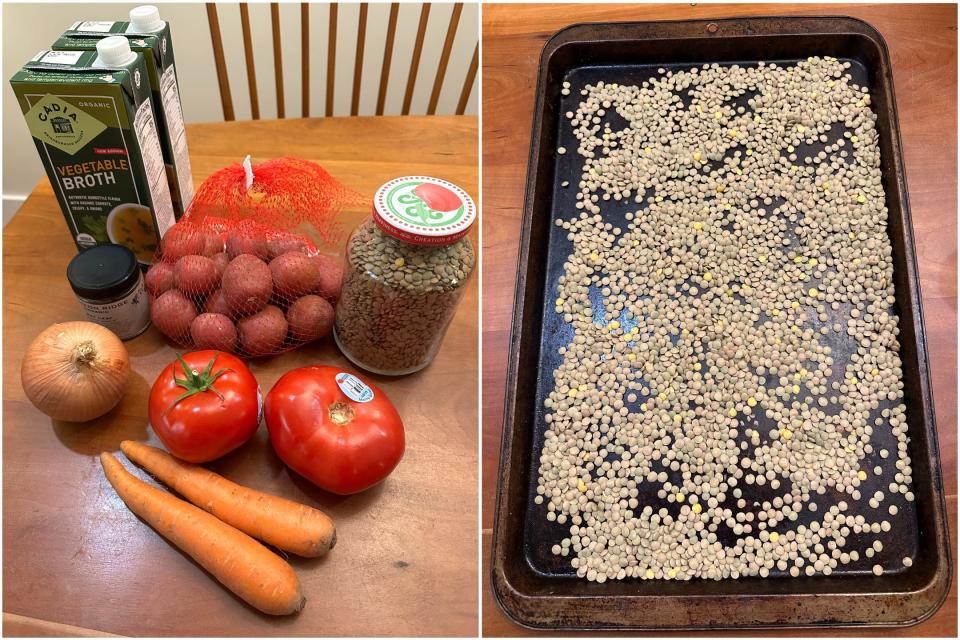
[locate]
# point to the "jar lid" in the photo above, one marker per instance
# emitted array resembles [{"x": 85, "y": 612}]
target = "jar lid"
[
  {"x": 423, "y": 210},
  {"x": 103, "y": 272}
]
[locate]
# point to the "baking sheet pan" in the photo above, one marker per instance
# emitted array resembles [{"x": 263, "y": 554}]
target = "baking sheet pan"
[{"x": 538, "y": 589}]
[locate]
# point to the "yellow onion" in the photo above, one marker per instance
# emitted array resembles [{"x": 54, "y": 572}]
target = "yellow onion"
[{"x": 75, "y": 371}]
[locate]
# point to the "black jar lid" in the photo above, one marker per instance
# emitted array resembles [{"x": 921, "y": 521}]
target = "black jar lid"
[{"x": 103, "y": 272}]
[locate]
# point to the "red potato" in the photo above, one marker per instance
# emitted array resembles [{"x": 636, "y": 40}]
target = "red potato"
[
  {"x": 310, "y": 318},
  {"x": 221, "y": 260},
  {"x": 213, "y": 331},
  {"x": 331, "y": 278},
  {"x": 195, "y": 275},
  {"x": 159, "y": 278},
  {"x": 172, "y": 313},
  {"x": 239, "y": 244},
  {"x": 247, "y": 285},
  {"x": 215, "y": 303},
  {"x": 182, "y": 240},
  {"x": 213, "y": 243},
  {"x": 282, "y": 243},
  {"x": 263, "y": 333},
  {"x": 295, "y": 274}
]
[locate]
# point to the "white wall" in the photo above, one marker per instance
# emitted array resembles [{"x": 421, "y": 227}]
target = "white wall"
[{"x": 30, "y": 27}]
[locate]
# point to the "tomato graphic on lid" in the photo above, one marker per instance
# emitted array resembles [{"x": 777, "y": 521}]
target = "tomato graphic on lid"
[
  {"x": 437, "y": 197},
  {"x": 423, "y": 210}
]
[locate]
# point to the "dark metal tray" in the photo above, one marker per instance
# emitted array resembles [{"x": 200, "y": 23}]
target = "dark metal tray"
[{"x": 537, "y": 589}]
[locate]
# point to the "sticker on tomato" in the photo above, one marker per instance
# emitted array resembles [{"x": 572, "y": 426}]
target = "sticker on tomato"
[{"x": 353, "y": 387}]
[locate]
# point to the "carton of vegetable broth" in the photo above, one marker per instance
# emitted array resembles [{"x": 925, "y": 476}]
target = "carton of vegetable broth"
[
  {"x": 151, "y": 37},
  {"x": 92, "y": 122}
]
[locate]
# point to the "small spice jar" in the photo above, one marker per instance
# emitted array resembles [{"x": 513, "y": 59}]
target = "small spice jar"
[
  {"x": 405, "y": 272},
  {"x": 108, "y": 284}
]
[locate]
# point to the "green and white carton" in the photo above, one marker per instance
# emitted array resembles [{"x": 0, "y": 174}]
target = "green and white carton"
[
  {"x": 91, "y": 118},
  {"x": 149, "y": 36}
]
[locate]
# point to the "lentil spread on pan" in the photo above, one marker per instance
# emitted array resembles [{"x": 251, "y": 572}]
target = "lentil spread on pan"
[{"x": 715, "y": 294}]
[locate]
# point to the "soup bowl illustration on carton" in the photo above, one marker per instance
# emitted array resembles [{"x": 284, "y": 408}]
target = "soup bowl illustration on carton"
[{"x": 131, "y": 225}]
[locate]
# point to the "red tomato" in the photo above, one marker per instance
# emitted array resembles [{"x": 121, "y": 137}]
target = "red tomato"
[
  {"x": 334, "y": 428},
  {"x": 204, "y": 405}
]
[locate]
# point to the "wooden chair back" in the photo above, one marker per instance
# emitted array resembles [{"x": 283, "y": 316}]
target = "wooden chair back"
[{"x": 413, "y": 73}]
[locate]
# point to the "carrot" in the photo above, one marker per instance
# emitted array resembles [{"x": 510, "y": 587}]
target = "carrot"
[
  {"x": 243, "y": 565},
  {"x": 285, "y": 524}
]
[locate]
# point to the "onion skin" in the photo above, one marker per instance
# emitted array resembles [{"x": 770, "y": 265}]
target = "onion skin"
[{"x": 75, "y": 371}]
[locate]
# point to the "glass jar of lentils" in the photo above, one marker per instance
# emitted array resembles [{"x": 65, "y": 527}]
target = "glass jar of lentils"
[{"x": 406, "y": 269}]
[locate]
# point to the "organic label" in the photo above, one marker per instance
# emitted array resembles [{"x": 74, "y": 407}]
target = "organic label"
[
  {"x": 354, "y": 388},
  {"x": 126, "y": 317},
  {"x": 62, "y": 125}
]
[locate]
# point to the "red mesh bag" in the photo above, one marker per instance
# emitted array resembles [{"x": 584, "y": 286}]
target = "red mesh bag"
[{"x": 243, "y": 270}]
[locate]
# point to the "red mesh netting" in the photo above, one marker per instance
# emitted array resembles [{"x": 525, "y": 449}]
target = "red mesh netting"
[{"x": 243, "y": 271}]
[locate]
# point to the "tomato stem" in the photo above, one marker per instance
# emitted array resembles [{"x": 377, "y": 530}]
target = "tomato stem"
[
  {"x": 341, "y": 413},
  {"x": 196, "y": 382}
]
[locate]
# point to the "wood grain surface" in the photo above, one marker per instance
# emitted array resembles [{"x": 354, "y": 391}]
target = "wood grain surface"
[
  {"x": 922, "y": 42},
  {"x": 406, "y": 556}
]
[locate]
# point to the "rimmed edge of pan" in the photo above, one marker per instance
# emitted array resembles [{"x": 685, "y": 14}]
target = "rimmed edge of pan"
[{"x": 716, "y": 611}]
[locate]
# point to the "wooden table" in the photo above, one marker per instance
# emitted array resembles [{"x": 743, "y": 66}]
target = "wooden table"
[
  {"x": 77, "y": 561},
  {"x": 922, "y": 42}
]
